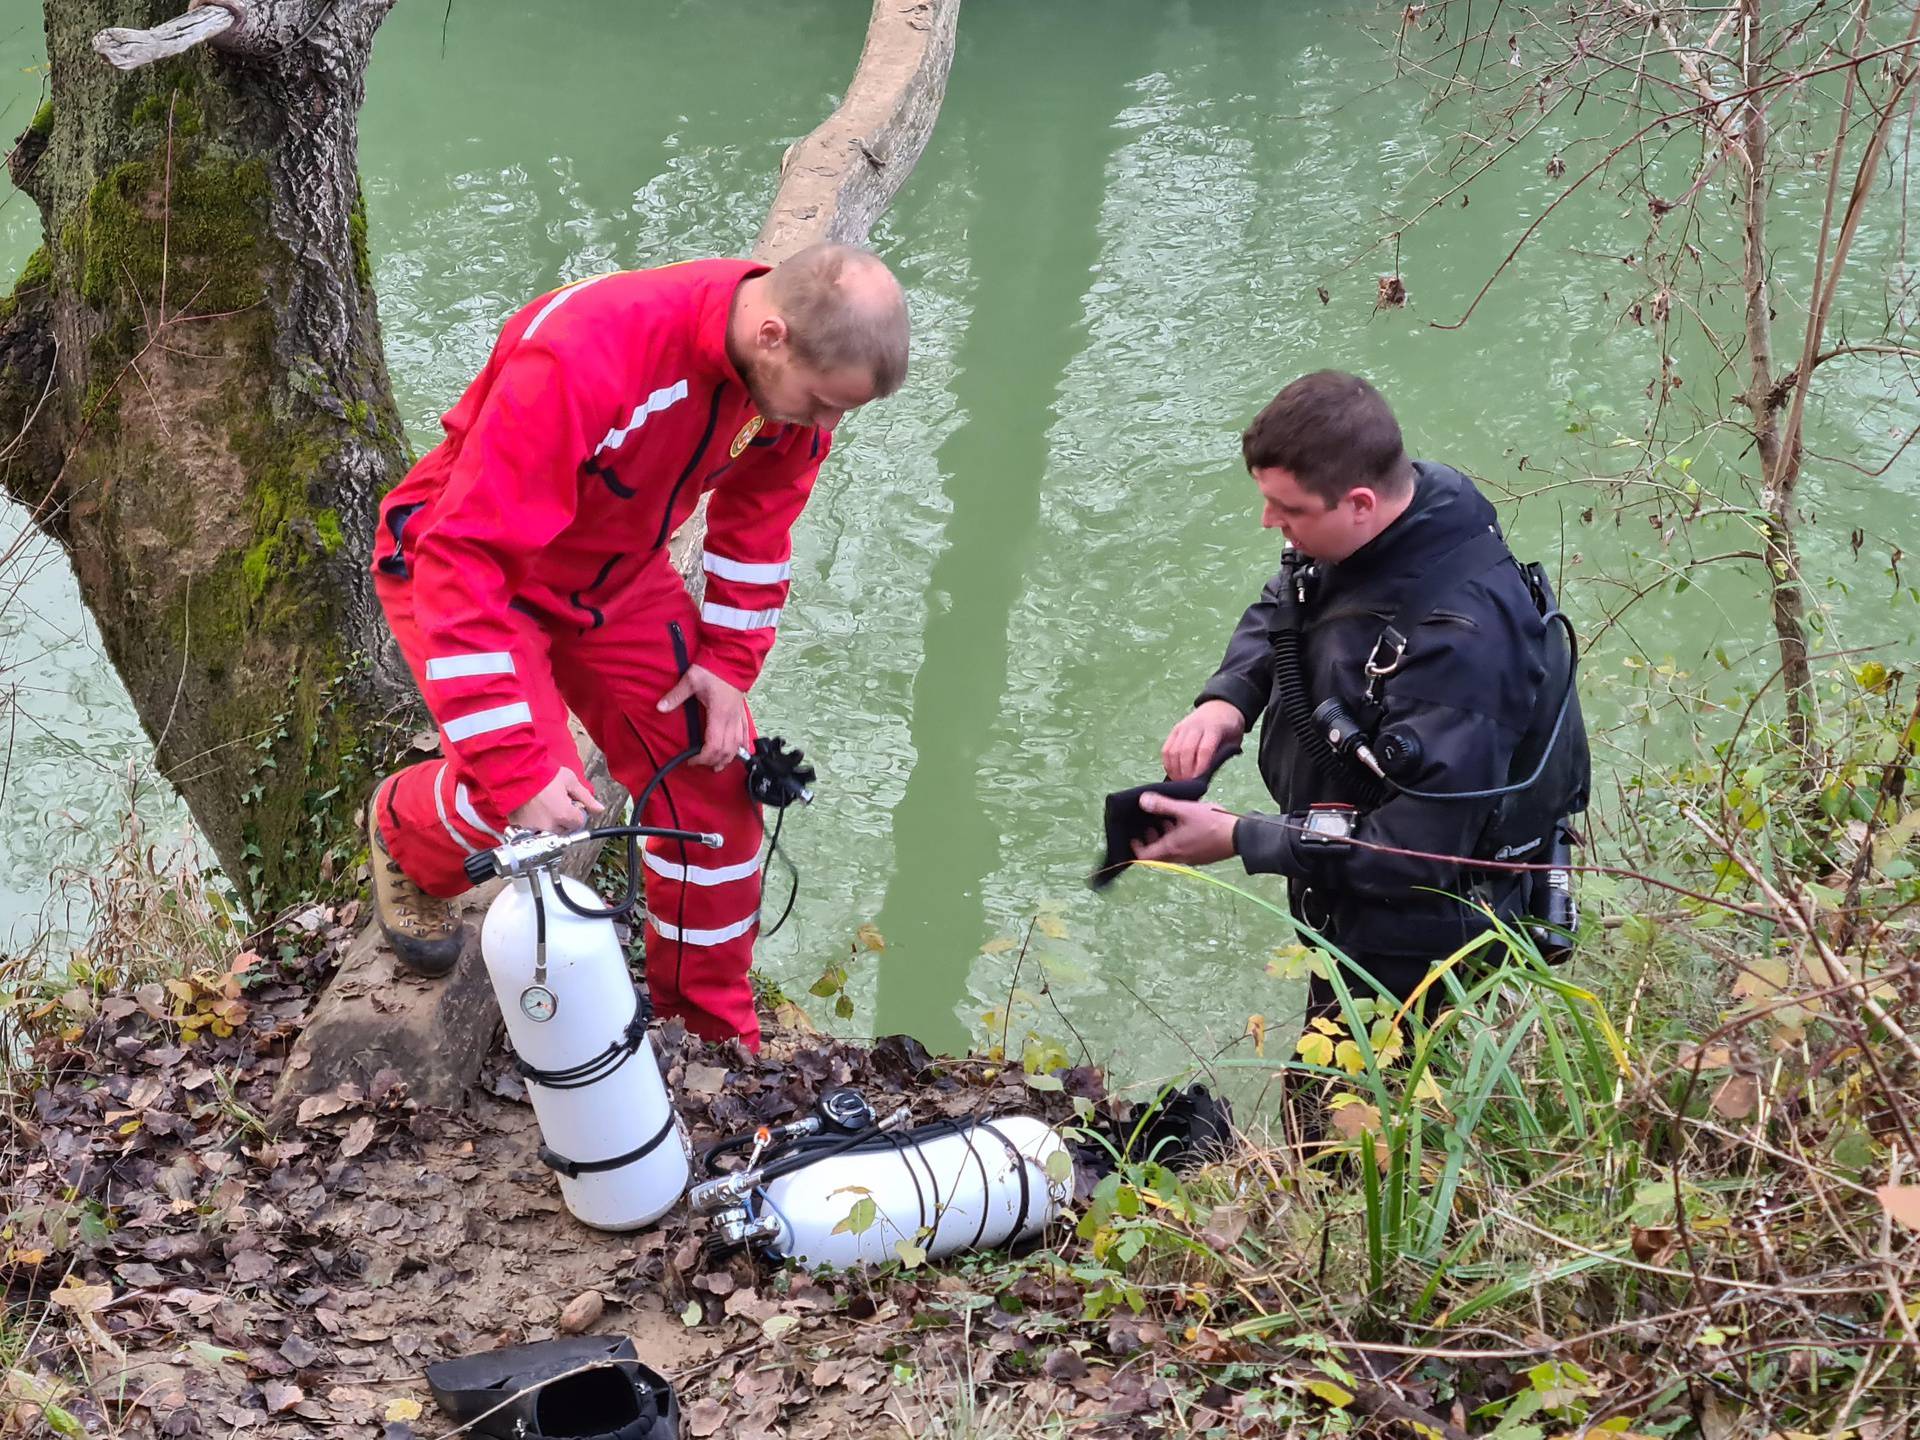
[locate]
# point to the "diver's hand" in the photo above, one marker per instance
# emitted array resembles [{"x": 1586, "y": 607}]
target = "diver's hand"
[
  {"x": 560, "y": 809},
  {"x": 1192, "y": 744},
  {"x": 728, "y": 729},
  {"x": 1195, "y": 833}
]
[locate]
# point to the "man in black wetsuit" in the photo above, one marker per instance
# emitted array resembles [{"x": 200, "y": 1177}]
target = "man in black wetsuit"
[{"x": 1399, "y": 599}]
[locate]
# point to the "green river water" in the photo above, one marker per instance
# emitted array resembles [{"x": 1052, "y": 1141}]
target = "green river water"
[{"x": 1015, "y": 574}]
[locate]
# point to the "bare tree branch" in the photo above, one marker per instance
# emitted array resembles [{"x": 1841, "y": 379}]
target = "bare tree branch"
[{"x": 126, "y": 49}]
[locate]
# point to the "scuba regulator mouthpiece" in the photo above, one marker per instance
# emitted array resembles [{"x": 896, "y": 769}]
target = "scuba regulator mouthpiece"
[
  {"x": 778, "y": 773},
  {"x": 1344, "y": 734}
]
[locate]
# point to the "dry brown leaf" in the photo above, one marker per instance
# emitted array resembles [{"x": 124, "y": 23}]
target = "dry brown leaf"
[
  {"x": 1356, "y": 1119},
  {"x": 318, "y": 1107},
  {"x": 1902, "y": 1202},
  {"x": 1737, "y": 1097},
  {"x": 359, "y": 1137},
  {"x": 282, "y": 1398},
  {"x": 1652, "y": 1244}
]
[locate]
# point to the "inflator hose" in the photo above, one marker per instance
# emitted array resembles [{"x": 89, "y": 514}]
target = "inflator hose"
[{"x": 1546, "y": 750}]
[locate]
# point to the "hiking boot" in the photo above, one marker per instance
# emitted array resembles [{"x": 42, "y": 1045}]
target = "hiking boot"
[{"x": 426, "y": 932}]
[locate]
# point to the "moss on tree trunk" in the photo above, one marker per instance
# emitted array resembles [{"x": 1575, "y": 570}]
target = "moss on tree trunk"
[{"x": 219, "y": 425}]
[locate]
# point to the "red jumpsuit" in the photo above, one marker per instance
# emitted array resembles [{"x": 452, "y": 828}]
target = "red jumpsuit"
[{"x": 523, "y": 566}]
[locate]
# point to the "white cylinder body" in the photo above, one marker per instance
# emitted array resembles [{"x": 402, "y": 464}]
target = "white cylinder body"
[
  {"x": 593, "y": 1002},
  {"x": 964, "y": 1187}
]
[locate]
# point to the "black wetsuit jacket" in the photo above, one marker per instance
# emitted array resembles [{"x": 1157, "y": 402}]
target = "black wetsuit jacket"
[{"x": 1469, "y": 688}]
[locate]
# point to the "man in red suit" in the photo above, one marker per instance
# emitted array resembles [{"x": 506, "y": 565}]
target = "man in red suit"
[{"x": 523, "y": 567}]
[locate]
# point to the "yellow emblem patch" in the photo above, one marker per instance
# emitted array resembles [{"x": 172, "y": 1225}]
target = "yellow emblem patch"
[{"x": 747, "y": 432}]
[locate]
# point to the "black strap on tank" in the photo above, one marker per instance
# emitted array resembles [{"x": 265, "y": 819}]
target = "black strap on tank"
[
  {"x": 573, "y": 1169},
  {"x": 591, "y": 1072},
  {"x": 1473, "y": 558},
  {"x": 1020, "y": 1165}
]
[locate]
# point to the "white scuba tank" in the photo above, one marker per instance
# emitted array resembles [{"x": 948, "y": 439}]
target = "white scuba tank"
[
  {"x": 979, "y": 1186},
  {"x": 592, "y": 1075}
]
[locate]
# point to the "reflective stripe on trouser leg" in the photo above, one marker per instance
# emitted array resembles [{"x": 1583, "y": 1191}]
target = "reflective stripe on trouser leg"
[
  {"x": 613, "y": 676},
  {"x": 433, "y": 815},
  {"x": 703, "y": 907}
]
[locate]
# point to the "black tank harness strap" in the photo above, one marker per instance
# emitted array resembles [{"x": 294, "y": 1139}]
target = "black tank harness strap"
[
  {"x": 573, "y": 1169},
  {"x": 1473, "y": 558},
  {"x": 589, "y": 1072},
  {"x": 1020, "y": 1163}
]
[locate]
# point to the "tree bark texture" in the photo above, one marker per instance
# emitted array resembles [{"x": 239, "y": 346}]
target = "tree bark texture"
[
  {"x": 194, "y": 402},
  {"x": 1779, "y": 459},
  {"x": 835, "y": 183}
]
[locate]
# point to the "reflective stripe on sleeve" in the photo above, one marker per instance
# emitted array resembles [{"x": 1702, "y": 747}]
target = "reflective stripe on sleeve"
[
  {"x": 732, "y": 617},
  {"x": 481, "y": 722},
  {"x": 740, "y": 570}
]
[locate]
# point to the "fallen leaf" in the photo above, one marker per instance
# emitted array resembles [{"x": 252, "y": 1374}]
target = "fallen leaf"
[
  {"x": 401, "y": 1410},
  {"x": 1737, "y": 1097},
  {"x": 1335, "y": 1395},
  {"x": 281, "y": 1398},
  {"x": 778, "y": 1327},
  {"x": 1652, "y": 1244},
  {"x": 1355, "y": 1120},
  {"x": 1761, "y": 979},
  {"x": 359, "y": 1136},
  {"x": 704, "y": 1079},
  {"x": 705, "y": 1417},
  {"x": 1064, "y": 1366},
  {"x": 870, "y": 938},
  {"x": 1902, "y": 1202}
]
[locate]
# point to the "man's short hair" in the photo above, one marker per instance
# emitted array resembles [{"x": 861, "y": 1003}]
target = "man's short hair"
[
  {"x": 843, "y": 308},
  {"x": 1333, "y": 433}
]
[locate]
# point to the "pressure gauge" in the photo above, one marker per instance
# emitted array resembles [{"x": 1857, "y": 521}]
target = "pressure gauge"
[{"x": 538, "y": 1003}]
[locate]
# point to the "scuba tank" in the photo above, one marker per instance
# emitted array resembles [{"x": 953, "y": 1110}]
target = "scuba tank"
[
  {"x": 946, "y": 1186},
  {"x": 579, "y": 1032}
]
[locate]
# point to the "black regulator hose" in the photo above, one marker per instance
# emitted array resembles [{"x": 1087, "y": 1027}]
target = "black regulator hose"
[
  {"x": 1368, "y": 791},
  {"x": 632, "y": 834},
  {"x": 1336, "y": 734}
]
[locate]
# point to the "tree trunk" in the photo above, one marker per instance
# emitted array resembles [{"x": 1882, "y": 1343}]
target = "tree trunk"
[
  {"x": 197, "y": 404},
  {"x": 834, "y": 184},
  {"x": 1779, "y": 459}
]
